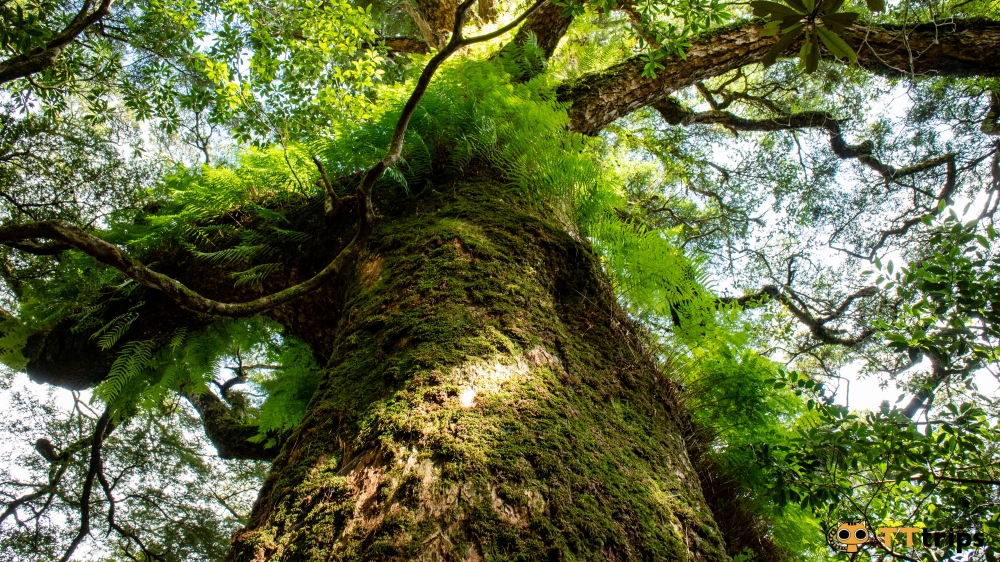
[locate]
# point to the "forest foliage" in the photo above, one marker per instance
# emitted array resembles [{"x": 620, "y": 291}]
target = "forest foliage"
[{"x": 194, "y": 126}]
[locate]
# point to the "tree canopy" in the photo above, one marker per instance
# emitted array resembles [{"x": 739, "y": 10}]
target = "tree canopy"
[{"x": 780, "y": 193}]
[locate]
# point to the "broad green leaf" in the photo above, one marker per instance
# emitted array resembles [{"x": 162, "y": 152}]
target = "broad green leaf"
[
  {"x": 771, "y": 28},
  {"x": 762, "y": 8},
  {"x": 809, "y": 54},
  {"x": 839, "y": 22},
  {"x": 837, "y": 46},
  {"x": 876, "y": 5},
  {"x": 798, "y": 5},
  {"x": 834, "y": 7},
  {"x": 782, "y": 44}
]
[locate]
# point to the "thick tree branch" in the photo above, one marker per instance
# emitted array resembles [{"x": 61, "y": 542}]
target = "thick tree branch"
[
  {"x": 39, "y": 59},
  {"x": 961, "y": 48},
  {"x": 405, "y": 45},
  {"x": 546, "y": 25},
  {"x": 109, "y": 254},
  {"x": 229, "y": 435},
  {"x": 817, "y": 324},
  {"x": 39, "y": 249},
  {"x": 938, "y": 375}
]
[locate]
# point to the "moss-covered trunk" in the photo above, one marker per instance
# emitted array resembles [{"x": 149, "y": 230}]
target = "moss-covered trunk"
[{"x": 486, "y": 400}]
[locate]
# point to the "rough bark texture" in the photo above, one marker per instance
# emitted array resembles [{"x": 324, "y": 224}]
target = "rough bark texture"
[
  {"x": 485, "y": 400},
  {"x": 229, "y": 434},
  {"x": 548, "y": 25},
  {"x": 961, "y": 48}
]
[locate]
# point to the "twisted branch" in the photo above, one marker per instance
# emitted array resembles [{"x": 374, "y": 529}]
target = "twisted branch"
[
  {"x": 816, "y": 324},
  {"x": 675, "y": 113}
]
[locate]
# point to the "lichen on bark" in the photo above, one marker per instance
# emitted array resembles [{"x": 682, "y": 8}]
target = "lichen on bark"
[{"x": 486, "y": 400}]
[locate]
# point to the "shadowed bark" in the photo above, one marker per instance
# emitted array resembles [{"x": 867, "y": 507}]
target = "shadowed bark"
[
  {"x": 547, "y": 25},
  {"x": 227, "y": 432}
]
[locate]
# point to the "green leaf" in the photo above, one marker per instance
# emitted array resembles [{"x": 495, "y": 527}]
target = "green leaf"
[
  {"x": 834, "y": 7},
  {"x": 876, "y": 5},
  {"x": 782, "y": 44},
  {"x": 809, "y": 54},
  {"x": 771, "y": 28},
  {"x": 797, "y": 5},
  {"x": 763, "y": 8},
  {"x": 839, "y": 22},
  {"x": 837, "y": 46}
]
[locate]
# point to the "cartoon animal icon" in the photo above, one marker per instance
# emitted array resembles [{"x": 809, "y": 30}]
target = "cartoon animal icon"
[{"x": 849, "y": 537}]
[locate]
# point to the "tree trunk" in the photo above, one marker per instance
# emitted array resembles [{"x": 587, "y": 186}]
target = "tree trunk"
[{"x": 486, "y": 399}]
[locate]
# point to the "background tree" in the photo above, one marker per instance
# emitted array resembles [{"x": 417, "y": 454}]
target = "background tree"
[{"x": 469, "y": 279}]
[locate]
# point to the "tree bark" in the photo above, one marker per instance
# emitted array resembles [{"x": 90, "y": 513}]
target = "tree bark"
[
  {"x": 960, "y": 48},
  {"x": 485, "y": 399}
]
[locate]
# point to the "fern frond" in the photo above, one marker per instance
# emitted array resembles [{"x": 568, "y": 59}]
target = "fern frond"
[
  {"x": 256, "y": 274},
  {"x": 134, "y": 358},
  {"x": 109, "y": 334}
]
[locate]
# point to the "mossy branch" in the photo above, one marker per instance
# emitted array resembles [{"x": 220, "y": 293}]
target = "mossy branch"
[{"x": 960, "y": 48}]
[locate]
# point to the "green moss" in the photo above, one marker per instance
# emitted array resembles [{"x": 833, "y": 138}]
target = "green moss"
[{"x": 487, "y": 400}]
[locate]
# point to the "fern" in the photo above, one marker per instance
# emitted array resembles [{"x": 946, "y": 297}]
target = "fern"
[
  {"x": 289, "y": 388},
  {"x": 256, "y": 274},
  {"x": 134, "y": 358},
  {"x": 110, "y": 333}
]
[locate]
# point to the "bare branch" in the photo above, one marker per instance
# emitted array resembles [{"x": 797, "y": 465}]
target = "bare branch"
[
  {"x": 675, "y": 113},
  {"x": 103, "y": 428},
  {"x": 817, "y": 325}
]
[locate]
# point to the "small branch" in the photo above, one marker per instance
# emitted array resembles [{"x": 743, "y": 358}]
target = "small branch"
[
  {"x": 106, "y": 487},
  {"x": 103, "y": 428},
  {"x": 817, "y": 325},
  {"x": 333, "y": 201},
  {"x": 675, "y": 113}
]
